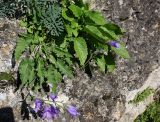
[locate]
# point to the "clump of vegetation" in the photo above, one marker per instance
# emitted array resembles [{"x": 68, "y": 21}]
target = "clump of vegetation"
[
  {"x": 142, "y": 95},
  {"x": 151, "y": 114},
  {"x": 12, "y": 8},
  {"x": 61, "y": 34}
]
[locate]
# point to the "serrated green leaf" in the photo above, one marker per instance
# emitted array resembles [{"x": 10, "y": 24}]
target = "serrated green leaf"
[
  {"x": 26, "y": 70},
  {"x": 58, "y": 76},
  {"x": 31, "y": 77},
  {"x": 53, "y": 77},
  {"x": 77, "y": 11},
  {"x": 96, "y": 17},
  {"x": 81, "y": 50},
  {"x": 60, "y": 53},
  {"x": 110, "y": 34},
  {"x": 96, "y": 33},
  {"x": 101, "y": 63},
  {"x": 52, "y": 59},
  {"x": 121, "y": 51},
  {"x": 40, "y": 70},
  {"x": 49, "y": 74},
  {"x": 64, "y": 68},
  {"x": 69, "y": 61},
  {"x": 21, "y": 45}
]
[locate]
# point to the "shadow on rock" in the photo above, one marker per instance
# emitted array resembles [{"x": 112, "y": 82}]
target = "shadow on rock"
[{"x": 6, "y": 114}]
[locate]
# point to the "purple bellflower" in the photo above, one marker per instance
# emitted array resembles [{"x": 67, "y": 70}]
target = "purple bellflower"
[
  {"x": 52, "y": 96},
  {"x": 49, "y": 112},
  {"x": 72, "y": 110},
  {"x": 114, "y": 44},
  {"x": 38, "y": 105}
]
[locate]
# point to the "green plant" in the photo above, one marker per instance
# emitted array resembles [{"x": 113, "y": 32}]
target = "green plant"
[
  {"x": 151, "y": 114},
  {"x": 11, "y": 8},
  {"x": 142, "y": 95},
  {"x": 60, "y": 35}
]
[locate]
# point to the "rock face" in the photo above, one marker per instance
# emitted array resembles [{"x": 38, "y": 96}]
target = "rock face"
[{"x": 104, "y": 98}]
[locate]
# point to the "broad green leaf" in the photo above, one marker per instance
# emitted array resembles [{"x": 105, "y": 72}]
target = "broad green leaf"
[
  {"x": 96, "y": 17},
  {"x": 77, "y": 11},
  {"x": 64, "y": 68},
  {"x": 81, "y": 50},
  {"x": 110, "y": 34},
  {"x": 122, "y": 51},
  {"x": 96, "y": 33},
  {"x": 21, "y": 45},
  {"x": 40, "y": 70},
  {"x": 101, "y": 63},
  {"x": 26, "y": 70}
]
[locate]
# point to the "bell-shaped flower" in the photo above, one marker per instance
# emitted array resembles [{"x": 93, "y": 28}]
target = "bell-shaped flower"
[
  {"x": 52, "y": 96},
  {"x": 114, "y": 44},
  {"x": 38, "y": 105},
  {"x": 49, "y": 112},
  {"x": 72, "y": 110}
]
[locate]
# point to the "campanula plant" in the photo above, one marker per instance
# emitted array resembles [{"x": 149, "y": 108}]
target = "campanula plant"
[
  {"x": 61, "y": 34},
  {"x": 49, "y": 109}
]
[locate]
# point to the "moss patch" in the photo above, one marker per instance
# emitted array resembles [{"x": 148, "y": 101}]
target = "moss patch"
[
  {"x": 152, "y": 113},
  {"x": 6, "y": 76},
  {"x": 142, "y": 95}
]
